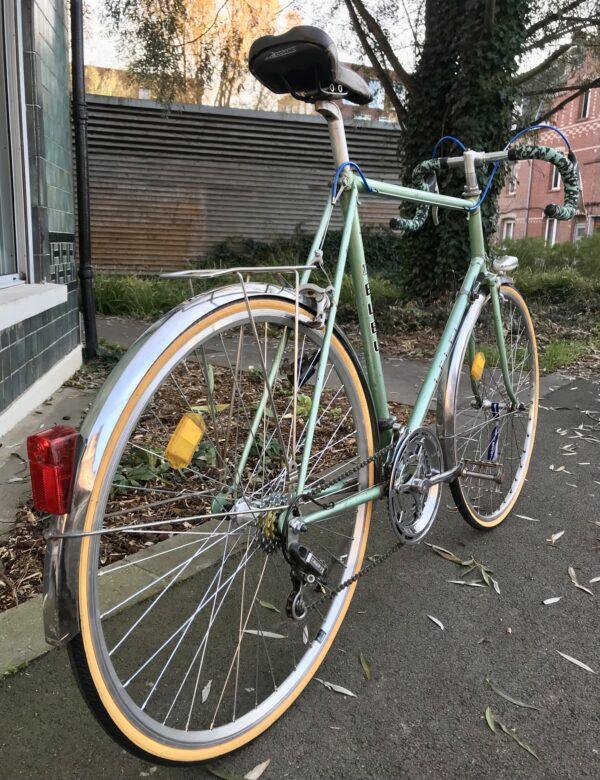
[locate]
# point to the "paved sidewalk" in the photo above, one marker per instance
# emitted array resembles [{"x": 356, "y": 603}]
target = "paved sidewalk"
[
  {"x": 403, "y": 376},
  {"x": 422, "y": 714}
]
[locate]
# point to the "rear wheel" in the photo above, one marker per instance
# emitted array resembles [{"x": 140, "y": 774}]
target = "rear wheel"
[
  {"x": 186, "y": 651},
  {"x": 482, "y": 432}
]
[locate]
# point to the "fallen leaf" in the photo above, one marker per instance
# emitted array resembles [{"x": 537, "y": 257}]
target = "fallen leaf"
[
  {"x": 576, "y": 582},
  {"x": 206, "y": 691},
  {"x": 467, "y": 582},
  {"x": 258, "y": 771},
  {"x": 552, "y": 600},
  {"x": 513, "y": 734},
  {"x": 305, "y": 635},
  {"x": 526, "y": 517},
  {"x": 510, "y": 698},
  {"x": 265, "y": 634},
  {"x": 267, "y": 605},
  {"x": 555, "y": 537},
  {"x": 490, "y": 719},
  {"x": 436, "y": 621},
  {"x": 336, "y": 688},
  {"x": 595, "y": 579},
  {"x": 576, "y": 662},
  {"x": 446, "y": 554},
  {"x": 366, "y": 665}
]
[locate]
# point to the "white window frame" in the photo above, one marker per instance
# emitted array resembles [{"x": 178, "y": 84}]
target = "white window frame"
[
  {"x": 11, "y": 30},
  {"x": 506, "y": 224},
  {"x": 555, "y": 180},
  {"x": 550, "y": 231},
  {"x": 584, "y": 104},
  {"x": 577, "y": 234}
]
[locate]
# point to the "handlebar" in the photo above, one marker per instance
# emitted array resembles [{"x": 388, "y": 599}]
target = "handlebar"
[{"x": 424, "y": 178}]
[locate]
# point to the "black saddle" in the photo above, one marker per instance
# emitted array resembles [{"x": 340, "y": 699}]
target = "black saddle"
[{"x": 304, "y": 63}]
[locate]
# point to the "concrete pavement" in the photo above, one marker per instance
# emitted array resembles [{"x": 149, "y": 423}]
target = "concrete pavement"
[{"x": 422, "y": 714}]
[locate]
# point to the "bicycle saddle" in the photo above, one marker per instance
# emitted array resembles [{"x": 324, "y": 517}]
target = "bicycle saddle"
[{"x": 304, "y": 62}]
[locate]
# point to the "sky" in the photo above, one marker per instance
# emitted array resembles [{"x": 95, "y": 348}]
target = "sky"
[{"x": 101, "y": 48}]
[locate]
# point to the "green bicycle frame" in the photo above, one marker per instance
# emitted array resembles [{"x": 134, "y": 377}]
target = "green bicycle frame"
[{"x": 351, "y": 253}]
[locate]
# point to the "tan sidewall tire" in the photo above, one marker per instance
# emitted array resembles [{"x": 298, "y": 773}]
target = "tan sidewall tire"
[
  {"x": 460, "y": 500},
  {"x": 139, "y": 740}
]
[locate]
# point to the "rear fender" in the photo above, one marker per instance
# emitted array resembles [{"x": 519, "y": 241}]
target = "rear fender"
[{"x": 61, "y": 610}]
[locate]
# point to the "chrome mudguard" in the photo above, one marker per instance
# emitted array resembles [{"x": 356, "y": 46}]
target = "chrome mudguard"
[
  {"x": 61, "y": 612},
  {"x": 450, "y": 377}
]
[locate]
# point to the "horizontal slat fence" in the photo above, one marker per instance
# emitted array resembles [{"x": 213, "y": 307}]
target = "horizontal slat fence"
[{"x": 166, "y": 186}]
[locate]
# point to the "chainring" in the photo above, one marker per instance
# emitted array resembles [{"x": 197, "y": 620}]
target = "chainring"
[{"x": 412, "y": 503}]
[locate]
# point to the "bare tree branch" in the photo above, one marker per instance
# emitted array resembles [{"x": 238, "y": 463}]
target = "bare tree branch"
[
  {"x": 574, "y": 26},
  {"x": 374, "y": 28},
  {"x": 566, "y": 101},
  {"x": 554, "y": 17},
  {"x": 582, "y": 86},
  {"x": 383, "y": 75},
  {"x": 530, "y": 74}
]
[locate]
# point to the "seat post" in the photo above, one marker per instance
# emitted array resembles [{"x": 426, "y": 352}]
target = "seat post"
[{"x": 330, "y": 111}]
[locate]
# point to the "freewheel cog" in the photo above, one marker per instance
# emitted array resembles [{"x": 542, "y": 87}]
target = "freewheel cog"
[
  {"x": 268, "y": 532},
  {"x": 413, "y": 502}
]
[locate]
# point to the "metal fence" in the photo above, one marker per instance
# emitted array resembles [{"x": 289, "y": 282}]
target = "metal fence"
[{"x": 168, "y": 185}]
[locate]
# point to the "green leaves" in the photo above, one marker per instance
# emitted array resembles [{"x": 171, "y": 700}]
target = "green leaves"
[
  {"x": 508, "y": 697},
  {"x": 366, "y": 665},
  {"x": 492, "y": 722},
  {"x": 469, "y": 565}
]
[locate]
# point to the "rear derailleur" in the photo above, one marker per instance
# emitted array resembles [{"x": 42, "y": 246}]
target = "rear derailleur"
[{"x": 307, "y": 569}]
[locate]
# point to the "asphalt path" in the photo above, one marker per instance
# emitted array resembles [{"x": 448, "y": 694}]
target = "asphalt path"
[{"x": 422, "y": 713}]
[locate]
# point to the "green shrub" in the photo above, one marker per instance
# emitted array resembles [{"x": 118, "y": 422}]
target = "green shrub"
[
  {"x": 536, "y": 256},
  {"x": 383, "y": 250}
]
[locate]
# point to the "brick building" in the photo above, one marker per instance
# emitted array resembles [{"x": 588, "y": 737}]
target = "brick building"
[
  {"x": 39, "y": 319},
  {"x": 535, "y": 183}
]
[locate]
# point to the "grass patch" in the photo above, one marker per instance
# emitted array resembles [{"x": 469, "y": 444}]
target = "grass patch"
[
  {"x": 561, "y": 354},
  {"x": 561, "y": 285}
]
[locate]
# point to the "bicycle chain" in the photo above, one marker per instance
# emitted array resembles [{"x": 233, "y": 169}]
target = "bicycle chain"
[{"x": 381, "y": 558}]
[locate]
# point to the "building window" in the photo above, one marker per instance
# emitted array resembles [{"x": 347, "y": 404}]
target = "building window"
[
  {"x": 8, "y": 257},
  {"x": 15, "y": 243},
  {"x": 550, "y": 236},
  {"x": 579, "y": 230},
  {"x": 555, "y": 178},
  {"x": 508, "y": 229},
  {"x": 143, "y": 93},
  {"x": 584, "y": 105}
]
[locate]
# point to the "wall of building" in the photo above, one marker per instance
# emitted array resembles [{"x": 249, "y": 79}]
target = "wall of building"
[
  {"x": 165, "y": 187},
  {"x": 525, "y": 205},
  {"x": 30, "y": 347}
]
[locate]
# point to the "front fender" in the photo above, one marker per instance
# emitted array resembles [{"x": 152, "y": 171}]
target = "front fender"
[{"x": 61, "y": 611}]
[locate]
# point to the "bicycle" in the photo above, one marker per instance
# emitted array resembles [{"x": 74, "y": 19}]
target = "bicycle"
[{"x": 225, "y": 476}]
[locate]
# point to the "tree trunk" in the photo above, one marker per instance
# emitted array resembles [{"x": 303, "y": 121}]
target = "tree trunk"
[{"x": 463, "y": 88}]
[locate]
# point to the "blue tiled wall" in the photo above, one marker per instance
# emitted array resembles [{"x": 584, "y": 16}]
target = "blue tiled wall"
[{"x": 31, "y": 347}]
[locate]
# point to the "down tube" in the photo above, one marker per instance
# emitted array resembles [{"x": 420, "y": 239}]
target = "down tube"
[{"x": 447, "y": 340}]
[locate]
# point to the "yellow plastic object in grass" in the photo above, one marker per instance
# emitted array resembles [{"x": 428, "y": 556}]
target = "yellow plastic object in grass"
[
  {"x": 477, "y": 366},
  {"x": 185, "y": 440}
]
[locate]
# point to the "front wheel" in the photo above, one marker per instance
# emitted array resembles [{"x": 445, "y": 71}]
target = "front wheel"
[
  {"x": 186, "y": 651},
  {"x": 483, "y": 432}
]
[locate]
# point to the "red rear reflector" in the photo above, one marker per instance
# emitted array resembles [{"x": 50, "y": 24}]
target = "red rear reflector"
[{"x": 51, "y": 463}]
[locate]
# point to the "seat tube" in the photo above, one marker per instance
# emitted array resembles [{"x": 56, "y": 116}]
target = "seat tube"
[{"x": 330, "y": 111}]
